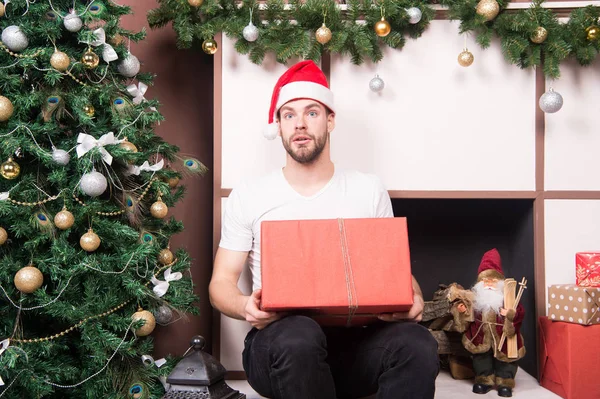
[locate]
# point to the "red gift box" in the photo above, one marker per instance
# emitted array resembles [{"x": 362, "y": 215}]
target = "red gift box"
[
  {"x": 569, "y": 359},
  {"x": 588, "y": 269},
  {"x": 347, "y": 269}
]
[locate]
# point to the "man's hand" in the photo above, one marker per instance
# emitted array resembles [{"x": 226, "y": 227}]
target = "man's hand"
[
  {"x": 257, "y": 317},
  {"x": 414, "y": 314}
]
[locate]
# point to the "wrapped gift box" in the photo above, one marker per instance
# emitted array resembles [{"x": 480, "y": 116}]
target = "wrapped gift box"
[
  {"x": 574, "y": 304},
  {"x": 569, "y": 359},
  {"x": 587, "y": 270},
  {"x": 347, "y": 269}
]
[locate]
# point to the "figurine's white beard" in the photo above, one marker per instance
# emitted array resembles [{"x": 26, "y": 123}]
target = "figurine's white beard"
[{"x": 488, "y": 298}]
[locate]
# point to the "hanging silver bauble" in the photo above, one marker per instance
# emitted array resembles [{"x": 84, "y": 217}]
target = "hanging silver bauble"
[
  {"x": 93, "y": 184},
  {"x": 551, "y": 101},
  {"x": 14, "y": 38},
  {"x": 72, "y": 22},
  {"x": 130, "y": 66},
  {"x": 163, "y": 314},
  {"x": 61, "y": 157},
  {"x": 376, "y": 84},
  {"x": 414, "y": 15},
  {"x": 250, "y": 32}
]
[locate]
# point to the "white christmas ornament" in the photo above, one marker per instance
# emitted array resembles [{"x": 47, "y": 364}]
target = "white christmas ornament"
[
  {"x": 72, "y": 22},
  {"x": 551, "y": 101},
  {"x": 130, "y": 66},
  {"x": 93, "y": 184},
  {"x": 414, "y": 15},
  {"x": 376, "y": 84},
  {"x": 14, "y": 38},
  {"x": 250, "y": 32},
  {"x": 61, "y": 157}
]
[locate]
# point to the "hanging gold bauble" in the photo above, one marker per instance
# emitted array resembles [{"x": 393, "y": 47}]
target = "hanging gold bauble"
[
  {"x": 60, "y": 61},
  {"x": 10, "y": 169},
  {"x": 6, "y": 109},
  {"x": 89, "y": 110},
  {"x": 90, "y": 59},
  {"x": 150, "y": 322},
  {"x": 382, "y": 27},
  {"x": 3, "y": 236},
  {"x": 592, "y": 33},
  {"x": 159, "y": 209},
  {"x": 64, "y": 219},
  {"x": 129, "y": 146},
  {"x": 323, "y": 34},
  {"x": 465, "y": 58},
  {"x": 488, "y": 9},
  {"x": 89, "y": 241},
  {"x": 165, "y": 256},
  {"x": 1, "y": 9},
  {"x": 195, "y": 3},
  {"x": 209, "y": 46},
  {"x": 28, "y": 279},
  {"x": 539, "y": 35},
  {"x": 116, "y": 39},
  {"x": 173, "y": 181}
]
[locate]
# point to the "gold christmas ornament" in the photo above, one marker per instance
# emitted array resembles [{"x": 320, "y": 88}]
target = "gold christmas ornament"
[
  {"x": 64, "y": 219},
  {"x": 465, "y": 58},
  {"x": 90, "y": 59},
  {"x": 323, "y": 34},
  {"x": 159, "y": 209},
  {"x": 173, "y": 181},
  {"x": 195, "y": 3},
  {"x": 89, "y": 241},
  {"x": 116, "y": 40},
  {"x": 89, "y": 110},
  {"x": 60, "y": 61},
  {"x": 6, "y": 109},
  {"x": 150, "y": 322},
  {"x": 539, "y": 35},
  {"x": 592, "y": 33},
  {"x": 1, "y": 9},
  {"x": 129, "y": 146},
  {"x": 209, "y": 46},
  {"x": 488, "y": 9},
  {"x": 165, "y": 256},
  {"x": 3, "y": 236},
  {"x": 10, "y": 169},
  {"x": 28, "y": 279},
  {"x": 382, "y": 27}
]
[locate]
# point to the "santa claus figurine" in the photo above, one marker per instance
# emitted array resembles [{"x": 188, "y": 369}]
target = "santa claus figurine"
[{"x": 480, "y": 315}]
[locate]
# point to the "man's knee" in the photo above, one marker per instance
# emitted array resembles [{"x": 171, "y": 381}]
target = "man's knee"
[
  {"x": 297, "y": 335},
  {"x": 415, "y": 344}
]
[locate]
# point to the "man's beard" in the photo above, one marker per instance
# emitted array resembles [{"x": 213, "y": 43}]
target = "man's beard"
[
  {"x": 487, "y": 298},
  {"x": 303, "y": 155}
]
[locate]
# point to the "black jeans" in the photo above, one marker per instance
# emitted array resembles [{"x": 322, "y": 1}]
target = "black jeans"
[{"x": 295, "y": 358}]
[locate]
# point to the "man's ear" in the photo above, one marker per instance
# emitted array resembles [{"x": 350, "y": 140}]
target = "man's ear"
[{"x": 330, "y": 122}]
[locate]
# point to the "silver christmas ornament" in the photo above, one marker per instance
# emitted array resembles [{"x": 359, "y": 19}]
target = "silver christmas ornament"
[
  {"x": 551, "y": 101},
  {"x": 414, "y": 15},
  {"x": 14, "y": 38},
  {"x": 376, "y": 84},
  {"x": 72, "y": 22},
  {"x": 93, "y": 183},
  {"x": 163, "y": 314},
  {"x": 250, "y": 32},
  {"x": 130, "y": 66},
  {"x": 61, "y": 157}
]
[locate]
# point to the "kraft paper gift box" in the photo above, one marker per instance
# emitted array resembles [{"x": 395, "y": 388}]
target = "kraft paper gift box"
[
  {"x": 574, "y": 304},
  {"x": 569, "y": 359},
  {"x": 587, "y": 269},
  {"x": 339, "y": 271}
]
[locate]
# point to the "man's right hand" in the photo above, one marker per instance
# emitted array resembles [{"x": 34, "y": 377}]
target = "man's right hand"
[{"x": 257, "y": 317}]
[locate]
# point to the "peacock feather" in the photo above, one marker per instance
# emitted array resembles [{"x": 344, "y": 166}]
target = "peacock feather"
[
  {"x": 193, "y": 167},
  {"x": 132, "y": 209},
  {"x": 146, "y": 237},
  {"x": 122, "y": 106},
  {"x": 43, "y": 222},
  {"x": 55, "y": 106},
  {"x": 138, "y": 390}
]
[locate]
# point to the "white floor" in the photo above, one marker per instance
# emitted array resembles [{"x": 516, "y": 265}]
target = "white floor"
[{"x": 527, "y": 387}]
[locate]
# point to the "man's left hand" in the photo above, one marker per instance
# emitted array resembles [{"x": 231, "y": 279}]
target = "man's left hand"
[{"x": 414, "y": 314}]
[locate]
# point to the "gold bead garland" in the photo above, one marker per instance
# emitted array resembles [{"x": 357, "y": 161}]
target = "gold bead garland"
[{"x": 20, "y": 55}]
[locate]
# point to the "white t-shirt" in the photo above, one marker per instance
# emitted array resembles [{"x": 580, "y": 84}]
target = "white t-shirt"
[{"x": 349, "y": 194}]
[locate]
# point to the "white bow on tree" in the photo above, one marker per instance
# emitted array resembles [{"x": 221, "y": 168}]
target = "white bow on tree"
[
  {"x": 161, "y": 287},
  {"x": 108, "y": 53},
  {"x": 135, "y": 170},
  {"x": 137, "y": 92},
  {"x": 86, "y": 143}
]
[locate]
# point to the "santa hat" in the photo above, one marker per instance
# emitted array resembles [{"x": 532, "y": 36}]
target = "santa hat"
[
  {"x": 490, "y": 266},
  {"x": 302, "y": 80}
]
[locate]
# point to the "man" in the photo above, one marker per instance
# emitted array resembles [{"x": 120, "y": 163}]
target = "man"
[
  {"x": 291, "y": 356},
  {"x": 481, "y": 315}
]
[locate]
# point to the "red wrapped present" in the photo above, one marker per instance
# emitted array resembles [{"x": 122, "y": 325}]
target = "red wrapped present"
[
  {"x": 341, "y": 271},
  {"x": 569, "y": 359},
  {"x": 587, "y": 269}
]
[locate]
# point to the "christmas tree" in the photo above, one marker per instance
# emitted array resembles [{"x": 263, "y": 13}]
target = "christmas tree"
[{"x": 86, "y": 271}]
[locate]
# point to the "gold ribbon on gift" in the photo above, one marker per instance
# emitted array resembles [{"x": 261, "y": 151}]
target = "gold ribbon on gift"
[{"x": 349, "y": 275}]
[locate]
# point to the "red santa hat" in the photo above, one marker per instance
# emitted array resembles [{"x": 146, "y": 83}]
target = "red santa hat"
[
  {"x": 304, "y": 80},
  {"x": 490, "y": 266}
]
